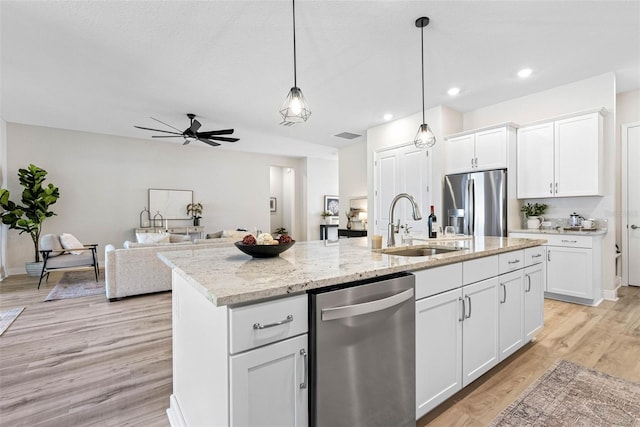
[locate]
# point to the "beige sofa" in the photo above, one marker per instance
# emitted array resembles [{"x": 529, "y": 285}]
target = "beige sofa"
[{"x": 137, "y": 270}]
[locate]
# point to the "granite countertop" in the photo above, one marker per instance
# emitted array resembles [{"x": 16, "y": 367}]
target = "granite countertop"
[
  {"x": 597, "y": 232},
  {"x": 226, "y": 276}
]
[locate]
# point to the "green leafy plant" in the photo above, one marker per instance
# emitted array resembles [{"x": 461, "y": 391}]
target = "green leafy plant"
[
  {"x": 281, "y": 231},
  {"x": 533, "y": 209},
  {"x": 325, "y": 214},
  {"x": 195, "y": 210},
  {"x": 36, "y": 199}
]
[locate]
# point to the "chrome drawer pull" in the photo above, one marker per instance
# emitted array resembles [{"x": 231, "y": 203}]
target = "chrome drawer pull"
[
  {"x": 513, "y": 262},
  {"x": 529, "y": 283},
  {"x": 304, "y": 355},
  {"x": 464, "y": 310},
  {"x": 569, "y": 241},
  {"x": 536, "y": 256},
  {"x": 467, "y": 297},
  {"x": 271, "y": 325}
]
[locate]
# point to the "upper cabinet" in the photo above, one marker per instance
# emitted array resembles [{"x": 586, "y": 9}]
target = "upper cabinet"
[
  {"x": 561, "y": 158},
  {"x": 479, "y": 150}
]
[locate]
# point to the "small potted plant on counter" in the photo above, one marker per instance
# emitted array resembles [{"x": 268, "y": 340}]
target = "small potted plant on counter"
[
  {"x": 195, "y": 210},
  {"x": 326, "y": 215},
  {"x": 533, "y": 212}
]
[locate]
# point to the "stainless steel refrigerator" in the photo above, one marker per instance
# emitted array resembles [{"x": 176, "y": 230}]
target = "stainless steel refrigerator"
[{"x": 476, "y": 203}]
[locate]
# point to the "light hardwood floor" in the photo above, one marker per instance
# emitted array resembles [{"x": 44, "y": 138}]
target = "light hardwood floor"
[{"x": 86, "y": 361}]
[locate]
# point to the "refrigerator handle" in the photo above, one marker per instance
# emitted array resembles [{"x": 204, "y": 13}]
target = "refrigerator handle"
[{"x": 472, "y": 206}]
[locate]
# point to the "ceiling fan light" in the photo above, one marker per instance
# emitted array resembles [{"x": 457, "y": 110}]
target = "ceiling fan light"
[
  {"x": 425, "y": 137},
  {"x": 294, "y": 108}
]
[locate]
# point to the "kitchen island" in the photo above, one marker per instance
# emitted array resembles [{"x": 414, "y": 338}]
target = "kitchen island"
[{"x": 227, "y": 355}]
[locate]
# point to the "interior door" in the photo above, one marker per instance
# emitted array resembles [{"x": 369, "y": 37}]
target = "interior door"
[{"x": 632, "y": 231}]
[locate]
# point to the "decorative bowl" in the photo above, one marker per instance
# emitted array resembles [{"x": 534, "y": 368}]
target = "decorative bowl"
[{"x": 264, "y": 251}]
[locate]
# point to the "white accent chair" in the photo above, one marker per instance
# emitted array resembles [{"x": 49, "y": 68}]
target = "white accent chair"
[{"x": 56, "y": 257}]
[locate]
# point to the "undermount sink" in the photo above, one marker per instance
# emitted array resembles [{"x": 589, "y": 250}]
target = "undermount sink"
[{"x": 420, "y": 250}]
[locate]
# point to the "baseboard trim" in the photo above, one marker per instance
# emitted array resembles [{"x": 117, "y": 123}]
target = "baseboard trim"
[
  {"x": 611, "y": 294},
  {"x": 175, "y": 415}
]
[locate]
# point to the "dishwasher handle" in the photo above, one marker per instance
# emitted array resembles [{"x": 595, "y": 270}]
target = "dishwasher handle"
[{"x": 365, "y": 307}]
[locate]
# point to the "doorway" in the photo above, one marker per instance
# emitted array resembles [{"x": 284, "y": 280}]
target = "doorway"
[
  {"x": 282, "y": 199},
  {"x": 631, "y": 204}
]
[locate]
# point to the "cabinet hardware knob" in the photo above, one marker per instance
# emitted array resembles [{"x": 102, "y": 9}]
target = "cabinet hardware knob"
[
  {"x": 551, "y": 188},
  {"x": 528, "y": 283},
  {"x": 513, "y": 262},
  {"x": 569, "y": 241},
  {"x": 536, "y": 256},
  {"x": 469, "y": 299},
  {"x": 271, "y": 325},
  {"x": 464, "y": 309},
  {"x": 633, "y": 226},
  {"x": 504, "y": 293}
]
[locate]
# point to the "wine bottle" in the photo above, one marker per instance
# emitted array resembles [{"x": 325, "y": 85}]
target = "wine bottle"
[{"x": 433, "y": 224}]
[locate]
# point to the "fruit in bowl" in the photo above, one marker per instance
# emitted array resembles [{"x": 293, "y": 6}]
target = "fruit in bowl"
[
  {"x": 264, "y": 246},
  {"x": 249, "y": 240}
]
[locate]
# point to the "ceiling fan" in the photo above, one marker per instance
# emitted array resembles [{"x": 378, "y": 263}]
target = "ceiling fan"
[{"x": 191, "y": 133}]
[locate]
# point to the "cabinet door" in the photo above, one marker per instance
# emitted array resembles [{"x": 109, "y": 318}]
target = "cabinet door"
[
  {"x": 491, "y": 149},
  {"x": 533, "y": 300},
  {"x": 479, "y": 329},
  {"x": 535, "y": 168},
  {"x": 570, "y": 271},
  {"x": 577, "y": 156},
  {"x": 386, "y": 187},
  {"x": 438, "y": 349},
  {"x": 266, "y": 385},
  {"x": 511, "y": 313},
  {"x": 460, "y": 154}
]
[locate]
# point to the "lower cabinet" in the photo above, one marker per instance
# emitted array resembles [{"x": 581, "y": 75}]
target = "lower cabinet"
[
  {"x": 269, "y": 385},
  {"x": 533, "y": 300},
  {"x": 569, "y": 271},
  {"x": 511, "y": 303}
]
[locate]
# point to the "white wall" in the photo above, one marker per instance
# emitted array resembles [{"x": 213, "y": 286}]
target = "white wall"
[
  {"x": 352, "y": 167},
  {"x": 595, "y": 92},
  {"x": 104, "y": 182},
  {"x": 321, "y": 180},
  {"x": 442, "y": 121},
  {"x": 275, "y": 185},
  {"x": 3, "y": 180}
]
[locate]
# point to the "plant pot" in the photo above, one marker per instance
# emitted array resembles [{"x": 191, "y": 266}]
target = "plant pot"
[
  {"x": 196, "y": 222},
  {"x": 34, "y": 269},
  {"x": 534, "y": 221}
]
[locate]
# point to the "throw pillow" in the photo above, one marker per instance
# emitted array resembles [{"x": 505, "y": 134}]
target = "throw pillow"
[
  {"x": 153, "y": 237},
  {"x": 51, "y": 242},
  {"x": 69, "y": 241},
  {"x": 215, "y": 235},
  {"x": 177, "y": 238}
]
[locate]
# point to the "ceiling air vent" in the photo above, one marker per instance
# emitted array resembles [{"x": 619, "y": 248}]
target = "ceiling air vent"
[{"x": 347, "y": 135}]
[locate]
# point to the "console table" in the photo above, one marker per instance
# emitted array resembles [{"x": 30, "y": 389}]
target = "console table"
[
  {"x": 324, "y": 230},
  {"x": 343, "y": 232},
  {"x": 198, "y": 231}
]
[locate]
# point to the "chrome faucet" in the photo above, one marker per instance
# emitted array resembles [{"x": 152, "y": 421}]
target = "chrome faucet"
[{"x": 391, "y": 240}]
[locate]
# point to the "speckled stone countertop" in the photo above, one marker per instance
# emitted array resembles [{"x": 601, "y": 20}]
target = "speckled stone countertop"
[
  {"x": 226, "y": 276},
  {"x": 597, "y": 232}
]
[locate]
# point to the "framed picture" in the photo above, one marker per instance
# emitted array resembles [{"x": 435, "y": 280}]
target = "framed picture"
[
  {"x": 273, "y": 204},
  {"x": 332, "y": 204}
]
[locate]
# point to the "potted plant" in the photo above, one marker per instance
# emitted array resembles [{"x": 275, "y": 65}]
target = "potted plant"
[
  {"x": 326, "y": 215},
  {"x": 29, "y": 216},
  {"x": 533, "y": 213},
  {"x": 195, "y": 210}
]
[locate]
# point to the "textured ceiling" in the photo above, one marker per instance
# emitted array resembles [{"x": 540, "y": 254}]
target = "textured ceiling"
[{"x": 105, "y": 66}]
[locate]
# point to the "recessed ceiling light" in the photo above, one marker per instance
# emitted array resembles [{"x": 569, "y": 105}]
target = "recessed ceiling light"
[
  {"x": 524, "y": 73},
  {"x": 387, "y": 116},
  {"x": 454, "y": 91}
]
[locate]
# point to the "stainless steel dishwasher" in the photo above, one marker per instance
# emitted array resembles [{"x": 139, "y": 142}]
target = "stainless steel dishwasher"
[{"x": 362, "y": 364}]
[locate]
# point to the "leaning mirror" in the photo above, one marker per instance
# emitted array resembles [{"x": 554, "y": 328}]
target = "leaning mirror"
[{"x": 172, "y": 204}]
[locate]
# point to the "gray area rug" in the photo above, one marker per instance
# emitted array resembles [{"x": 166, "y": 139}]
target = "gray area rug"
[
  {"x": 76, "y": 284},
  {"x": 7, "y": 317},
  {"x": 572, "y": 395}
]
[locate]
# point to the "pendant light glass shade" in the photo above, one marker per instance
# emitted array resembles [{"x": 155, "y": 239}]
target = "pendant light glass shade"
[
  {"x": 424, "y": 138},
  {"x": 294, "y": 108}
]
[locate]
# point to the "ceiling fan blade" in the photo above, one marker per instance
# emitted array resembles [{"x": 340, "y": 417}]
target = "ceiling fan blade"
[
  {"x": 225, "y": 139},
  {"x": 207, "y": 141},
  {"x": 159, "y": 121},
  {"x": 215, "y": 132},
  {"x": 195, "y": 125},
  {"x": 158, "y": 130},
  {"x": 186, "y": 141},
  {"x": 166, "y": 136}
]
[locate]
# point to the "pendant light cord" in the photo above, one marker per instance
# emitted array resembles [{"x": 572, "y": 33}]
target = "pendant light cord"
[
  {"x": 422, "y": 55},
  {"x": 295, "y": 80}
]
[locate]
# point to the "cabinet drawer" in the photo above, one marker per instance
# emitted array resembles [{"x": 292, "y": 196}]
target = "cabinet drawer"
[
  {"x": 480, "y": 269},
  {"x": 263, "y": 323},
  {"x": 437, "y": 280},
  {"x": 511, "y": 261},
  {"x": 533, "y": 256},
  {"x": 569, "y": 240}
]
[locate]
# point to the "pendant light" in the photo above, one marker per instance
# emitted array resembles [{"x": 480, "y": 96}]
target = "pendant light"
[
  {"x": 295, "y": 108},
  {"x": 425, "y": 137}
]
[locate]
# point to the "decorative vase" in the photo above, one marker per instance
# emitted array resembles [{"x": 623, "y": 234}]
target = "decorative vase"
[
  {"x": 348, "y": 223},
  {"x": 34, "y": 269},
  {"x": 534, "y": 221},
  {"x": 196, "y": 222}
]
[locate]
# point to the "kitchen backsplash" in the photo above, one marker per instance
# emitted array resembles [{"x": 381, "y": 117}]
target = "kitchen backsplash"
[{"x": 601, "y": 223}]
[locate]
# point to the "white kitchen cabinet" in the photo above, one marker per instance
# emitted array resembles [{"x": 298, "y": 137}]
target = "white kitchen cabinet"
[
  {"x": 533, "y": 299},
  {"x": 561, "y": 157},
  {"x": 511, "y": 294},
  {"x": 478, "y": 150},
  {"x": 269, "y": 385},
  {"x": 226, "y": 371},
  {"x": 438, "y": 349},
  {"x": 480, "y": 329}
]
